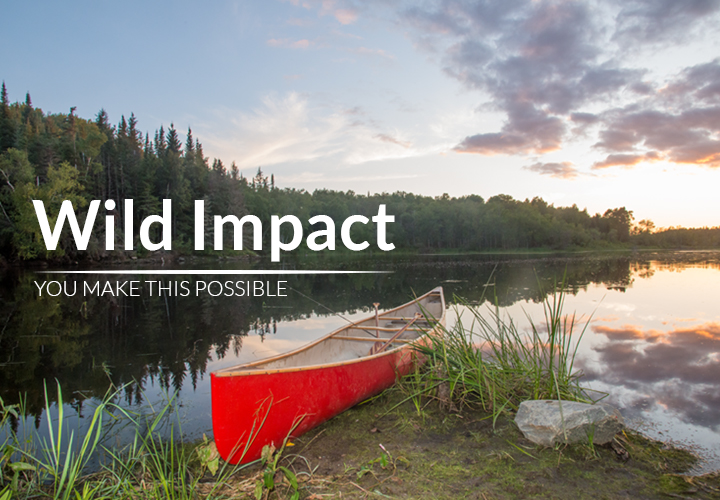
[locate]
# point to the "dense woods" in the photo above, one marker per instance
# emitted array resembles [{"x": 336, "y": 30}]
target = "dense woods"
[{"x": 54, "y": 157}]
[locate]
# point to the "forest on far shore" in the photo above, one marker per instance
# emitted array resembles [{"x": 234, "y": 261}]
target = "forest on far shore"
[{"x": 56, "y": 157}]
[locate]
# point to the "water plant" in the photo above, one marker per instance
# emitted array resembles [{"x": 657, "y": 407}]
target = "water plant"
[
  {"x": 488, "y": 360},
  {"x": 156, "y": 464},
  {"x": 65, "y": 463}
]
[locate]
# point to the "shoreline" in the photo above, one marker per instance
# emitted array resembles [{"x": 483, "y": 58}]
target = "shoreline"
[
  {"x": 398, "y": 447},
  {"x": 178, "y": 257},
  {"x": 372, "y": 451}
]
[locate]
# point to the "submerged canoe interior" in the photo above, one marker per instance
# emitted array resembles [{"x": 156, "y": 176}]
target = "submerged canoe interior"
[{"x": 355, "y": 341}]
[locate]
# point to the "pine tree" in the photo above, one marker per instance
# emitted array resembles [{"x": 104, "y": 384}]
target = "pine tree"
[
  {"x": 260, "y": 181},
  {"x": 160, "y": 145},
  {"x": 122, "y": 128},
  {"x": 197, "y": 170},
  {"x": 27, "y": 110},
  {"x": 194, "y": 168},
  {"x": 104, "y": 186},
  {"x": 148, "y": 147},
  {"x": 7, "y": 131},
  {"x": 71, "y": 131},
  {"x": 102, "y": 120},
  {"x": 173, "y": 141},
  {"x": 218, "y": 166},
  {"x": 177, "y": 186},
  {"x": 189, "y": 144},
  {"x": 133, "y": 132}
]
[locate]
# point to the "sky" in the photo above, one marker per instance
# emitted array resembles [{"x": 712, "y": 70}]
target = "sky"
[{"x": 601, "y": 104}]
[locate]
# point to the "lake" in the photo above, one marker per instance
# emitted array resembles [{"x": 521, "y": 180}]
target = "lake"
[{"x": 652, "y": 343}]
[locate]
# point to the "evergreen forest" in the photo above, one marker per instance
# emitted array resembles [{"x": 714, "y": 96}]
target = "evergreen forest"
[{"x": 61, "y": 156}]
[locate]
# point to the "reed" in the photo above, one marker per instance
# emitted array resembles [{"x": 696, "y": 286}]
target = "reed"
[
  {"x": 487, "y": 360},
  {"x": 65, "y": 463},
  {"x": 157, "y": 464}
]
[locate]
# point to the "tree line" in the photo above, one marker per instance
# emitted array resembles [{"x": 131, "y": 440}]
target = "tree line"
[{"x": 58, "y": 156}]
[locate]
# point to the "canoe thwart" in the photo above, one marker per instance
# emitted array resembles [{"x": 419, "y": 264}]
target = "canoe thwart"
[
  {"x": 385, "y": 328},
  {"x": 380, "y": 347}
]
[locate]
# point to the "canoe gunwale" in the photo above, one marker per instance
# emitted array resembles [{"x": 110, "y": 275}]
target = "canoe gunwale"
[
  {"x": 245, "y": 369},
  {"x": 373, "y": 339}
]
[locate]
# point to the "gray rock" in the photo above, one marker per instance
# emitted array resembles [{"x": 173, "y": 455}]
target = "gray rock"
[{"x": 542, "y": 423}]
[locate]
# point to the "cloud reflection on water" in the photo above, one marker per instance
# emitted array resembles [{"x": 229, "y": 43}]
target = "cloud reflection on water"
[{"x": 678, "y": 369}]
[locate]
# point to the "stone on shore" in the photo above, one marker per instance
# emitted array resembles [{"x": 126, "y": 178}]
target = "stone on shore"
[{"x": 542, "y": 423}]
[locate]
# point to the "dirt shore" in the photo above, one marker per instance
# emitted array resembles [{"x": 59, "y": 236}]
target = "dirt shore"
[{"x": 377, "y": 451}]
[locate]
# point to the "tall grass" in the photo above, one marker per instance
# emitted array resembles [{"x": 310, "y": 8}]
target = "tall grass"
[
  {"x": 155, "y": 465},
  {"x": 487, "y": 360},
  {"x": 65, "y": 463}
]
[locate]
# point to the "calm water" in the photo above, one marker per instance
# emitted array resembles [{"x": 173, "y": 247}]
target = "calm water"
[{"x": 653, "y": 343}]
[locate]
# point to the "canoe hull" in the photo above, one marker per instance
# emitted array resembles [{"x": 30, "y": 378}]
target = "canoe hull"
[
  {"x": 260, "y": 409},
  {"x": 265, "y": 401}
]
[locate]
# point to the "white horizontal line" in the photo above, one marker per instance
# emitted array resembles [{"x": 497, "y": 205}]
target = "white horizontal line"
[{"x": 215, "y": 271}]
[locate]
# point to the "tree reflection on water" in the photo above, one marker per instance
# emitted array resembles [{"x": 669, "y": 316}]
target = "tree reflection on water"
[{"x": 87, "y": 342}]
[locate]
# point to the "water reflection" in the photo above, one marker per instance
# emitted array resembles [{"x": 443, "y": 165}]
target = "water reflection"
[
  {"x": 676, "y": 369},
  {"x": 654, "y": 344},
  {"x": 86, "y": 342}
]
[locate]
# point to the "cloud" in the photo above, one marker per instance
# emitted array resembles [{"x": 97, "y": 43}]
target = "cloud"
[
  {"x": 702, "y": 82},
  {"x": 559, "y": 70},
  {"x": 288, "y": 43},
  {"x": 289, "y": 129},
  {"x": 282, "y": 129},
  {"x": 528, "y": 130},
  {"x": 346, "y": 16},
  {"x": 538, "y": 61},
  {"x": 662, "y": 20},
  {"x": 355, "y": 110},
  {"x": 680, "y": 124},
  {"x": 564, "y": 170},
  {"x": 297, "y": 21},
  {"x": 315, "y": 178},
  {"x": 584, "y": 118},
  {"x": 677, "y": 369},
  {"x": 344, "y": 12},
  {"x": 371, "y": 52},
  {"x": 393, "y": 140},
  {"x": 626, "y": 160}
]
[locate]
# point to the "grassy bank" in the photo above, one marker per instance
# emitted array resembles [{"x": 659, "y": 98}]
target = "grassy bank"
[{"x": 385, "y": 448}]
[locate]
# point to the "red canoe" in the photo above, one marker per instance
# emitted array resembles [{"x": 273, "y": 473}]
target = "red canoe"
[{"x": 265, "y": 401}]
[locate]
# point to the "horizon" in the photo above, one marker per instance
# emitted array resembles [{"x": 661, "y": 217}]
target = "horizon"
[{"x": 600, "y": 105}]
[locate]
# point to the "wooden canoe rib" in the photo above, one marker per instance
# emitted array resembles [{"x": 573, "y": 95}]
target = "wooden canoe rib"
[{"x": 263, "y": 402}]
